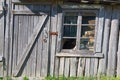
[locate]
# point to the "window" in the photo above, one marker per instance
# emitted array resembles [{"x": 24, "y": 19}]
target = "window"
[{"x": 78, "y": 32}]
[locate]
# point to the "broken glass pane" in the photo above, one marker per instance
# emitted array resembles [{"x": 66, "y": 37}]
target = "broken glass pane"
[{"x": 68, "y": 43}]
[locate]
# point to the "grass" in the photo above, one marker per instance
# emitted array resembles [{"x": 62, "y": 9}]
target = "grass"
[
  {"x": 70, "y": 78},
  {"x": 82, "y": 78}
]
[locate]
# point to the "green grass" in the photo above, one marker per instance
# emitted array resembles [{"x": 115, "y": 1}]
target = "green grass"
[
  {"x": 25, "y": 78},
  {"x": 70, "y": 78},
  {"x": 82, "y": 78}
]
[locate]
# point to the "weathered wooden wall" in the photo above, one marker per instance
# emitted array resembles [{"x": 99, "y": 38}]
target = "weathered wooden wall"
[
  {"x": 32, "y": 51},
  {"x": 1, "y": 37}
]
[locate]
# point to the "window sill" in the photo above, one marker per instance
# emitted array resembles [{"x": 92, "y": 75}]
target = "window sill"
[{"x": 96, "y": 55}]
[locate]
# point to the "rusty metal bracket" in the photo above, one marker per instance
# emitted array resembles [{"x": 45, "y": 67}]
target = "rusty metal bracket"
[{"x": 53, "y": 33}]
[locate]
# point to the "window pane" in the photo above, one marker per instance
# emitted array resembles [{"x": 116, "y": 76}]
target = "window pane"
[
  {"x": 68, "y": 43},
  {"x": 87, "y": 37},
  {"x": 70, "y": 18},
  {"x": 88, "y": 20},
  {"x": 70, "y": 31}
]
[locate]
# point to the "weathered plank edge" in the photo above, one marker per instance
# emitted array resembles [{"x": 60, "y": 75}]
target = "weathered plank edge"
[
  {"x": 27, "y": 12},
  {"x": 99, "y": 55}
]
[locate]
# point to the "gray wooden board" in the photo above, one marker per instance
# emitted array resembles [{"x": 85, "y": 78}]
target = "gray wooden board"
[
  {"x": 91, "y": 67},
  {"x": 103, "y": 61},
  {"x": 118, "y": 53},
  {"x": 53, "y": 38},
  {"x": 59, "y": 29},
  {"x": 61, "y": 67},
  {"x": 81, "y": 67},
  {"x": 15, "y": 42},
  {"x": 87, "y": 67},
  {"x": 56, "y": 73},
  {"x": 39, "y": 55},
  {"x": 27, "y": 25},
  {"x": 25, "y": 39},
  {"x": 73, "y": 67},
  {"x": 67, "y": 67},
  {"x": 113, "y": 43},
  {"x": 11, "y": 44},
  {"x": 96, "y": 64},
  {"x": 100, "y": 30},
  {"x": 20, "y": 34},
  {"x": 1, "y": 42},
  {"x": 6, "y": 39},
  {"x": 45, "y": 49},
  {"x": 1, "y": 69},
  {"x": 29, "y": 32},
  {"x": 59, "y": 24}
]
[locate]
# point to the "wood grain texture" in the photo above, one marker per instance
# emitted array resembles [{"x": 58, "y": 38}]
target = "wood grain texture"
[
  {"x": 73, "y": 67},
  {"x": 67, "y": 67},
  {"x": 87, "y": 67},
  {"x": 103, "y": 62},
  {"x": 53, "y": 38},
  {"x": 113, "y": 43},
  {"x": 118, "y": 53},
  {"x": 45, "y": 50},
  {"x": 61, "y": 67},
  {"x": 81, "y": 67},
  {"x": 99, "y": 36},
  {"x": 30, "y": 44},
  {"x": 1, "y": 42}
]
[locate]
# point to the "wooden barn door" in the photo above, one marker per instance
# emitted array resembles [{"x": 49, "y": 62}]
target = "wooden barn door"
[
  {"x": 1, "y": 38},
  {"x": 30, "y": 44}
]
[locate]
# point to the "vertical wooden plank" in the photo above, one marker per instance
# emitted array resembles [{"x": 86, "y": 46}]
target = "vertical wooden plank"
[
  {"x": 113, "y": 43},
  {"x": 67, "y": 67},
  {"x": 1, "y": 69},
  {"x": 20, "y": 35},
  {"x": 61, "y": 67},
  {"x": 6, "y": 38},
  {"x": 56, "y": 73},
  {"x": 33, "y": 48},
  {"x": 91, "y": 67},
  {"x": 58, "y": 47},
  {"x": 87, "y": 67},
  {"x": 118, "y": 53},
  {"x": 45, "y": 50},
  {"x": 29, "y": 31},
  {"x": 96, "y": 64},
  {"x": 73, "y": 67},
  {"x": 15, "y": 42},
  {"x": 103, "y": 62},
  {"x": 100, "y": 30},
  {"x": 53, "y": 38},
  {"x": 39, "y": 54},
  {"x": 11, "y": 43},
  {"x": 26, "y": 25},
  {"x": 1, "y": 39},
  {"x": 24, "y": 37},
  {"x": 81, "y": 67}
]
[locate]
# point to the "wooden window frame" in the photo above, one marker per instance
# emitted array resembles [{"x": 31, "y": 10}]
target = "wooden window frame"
[{"x": 80, "y": 53}]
